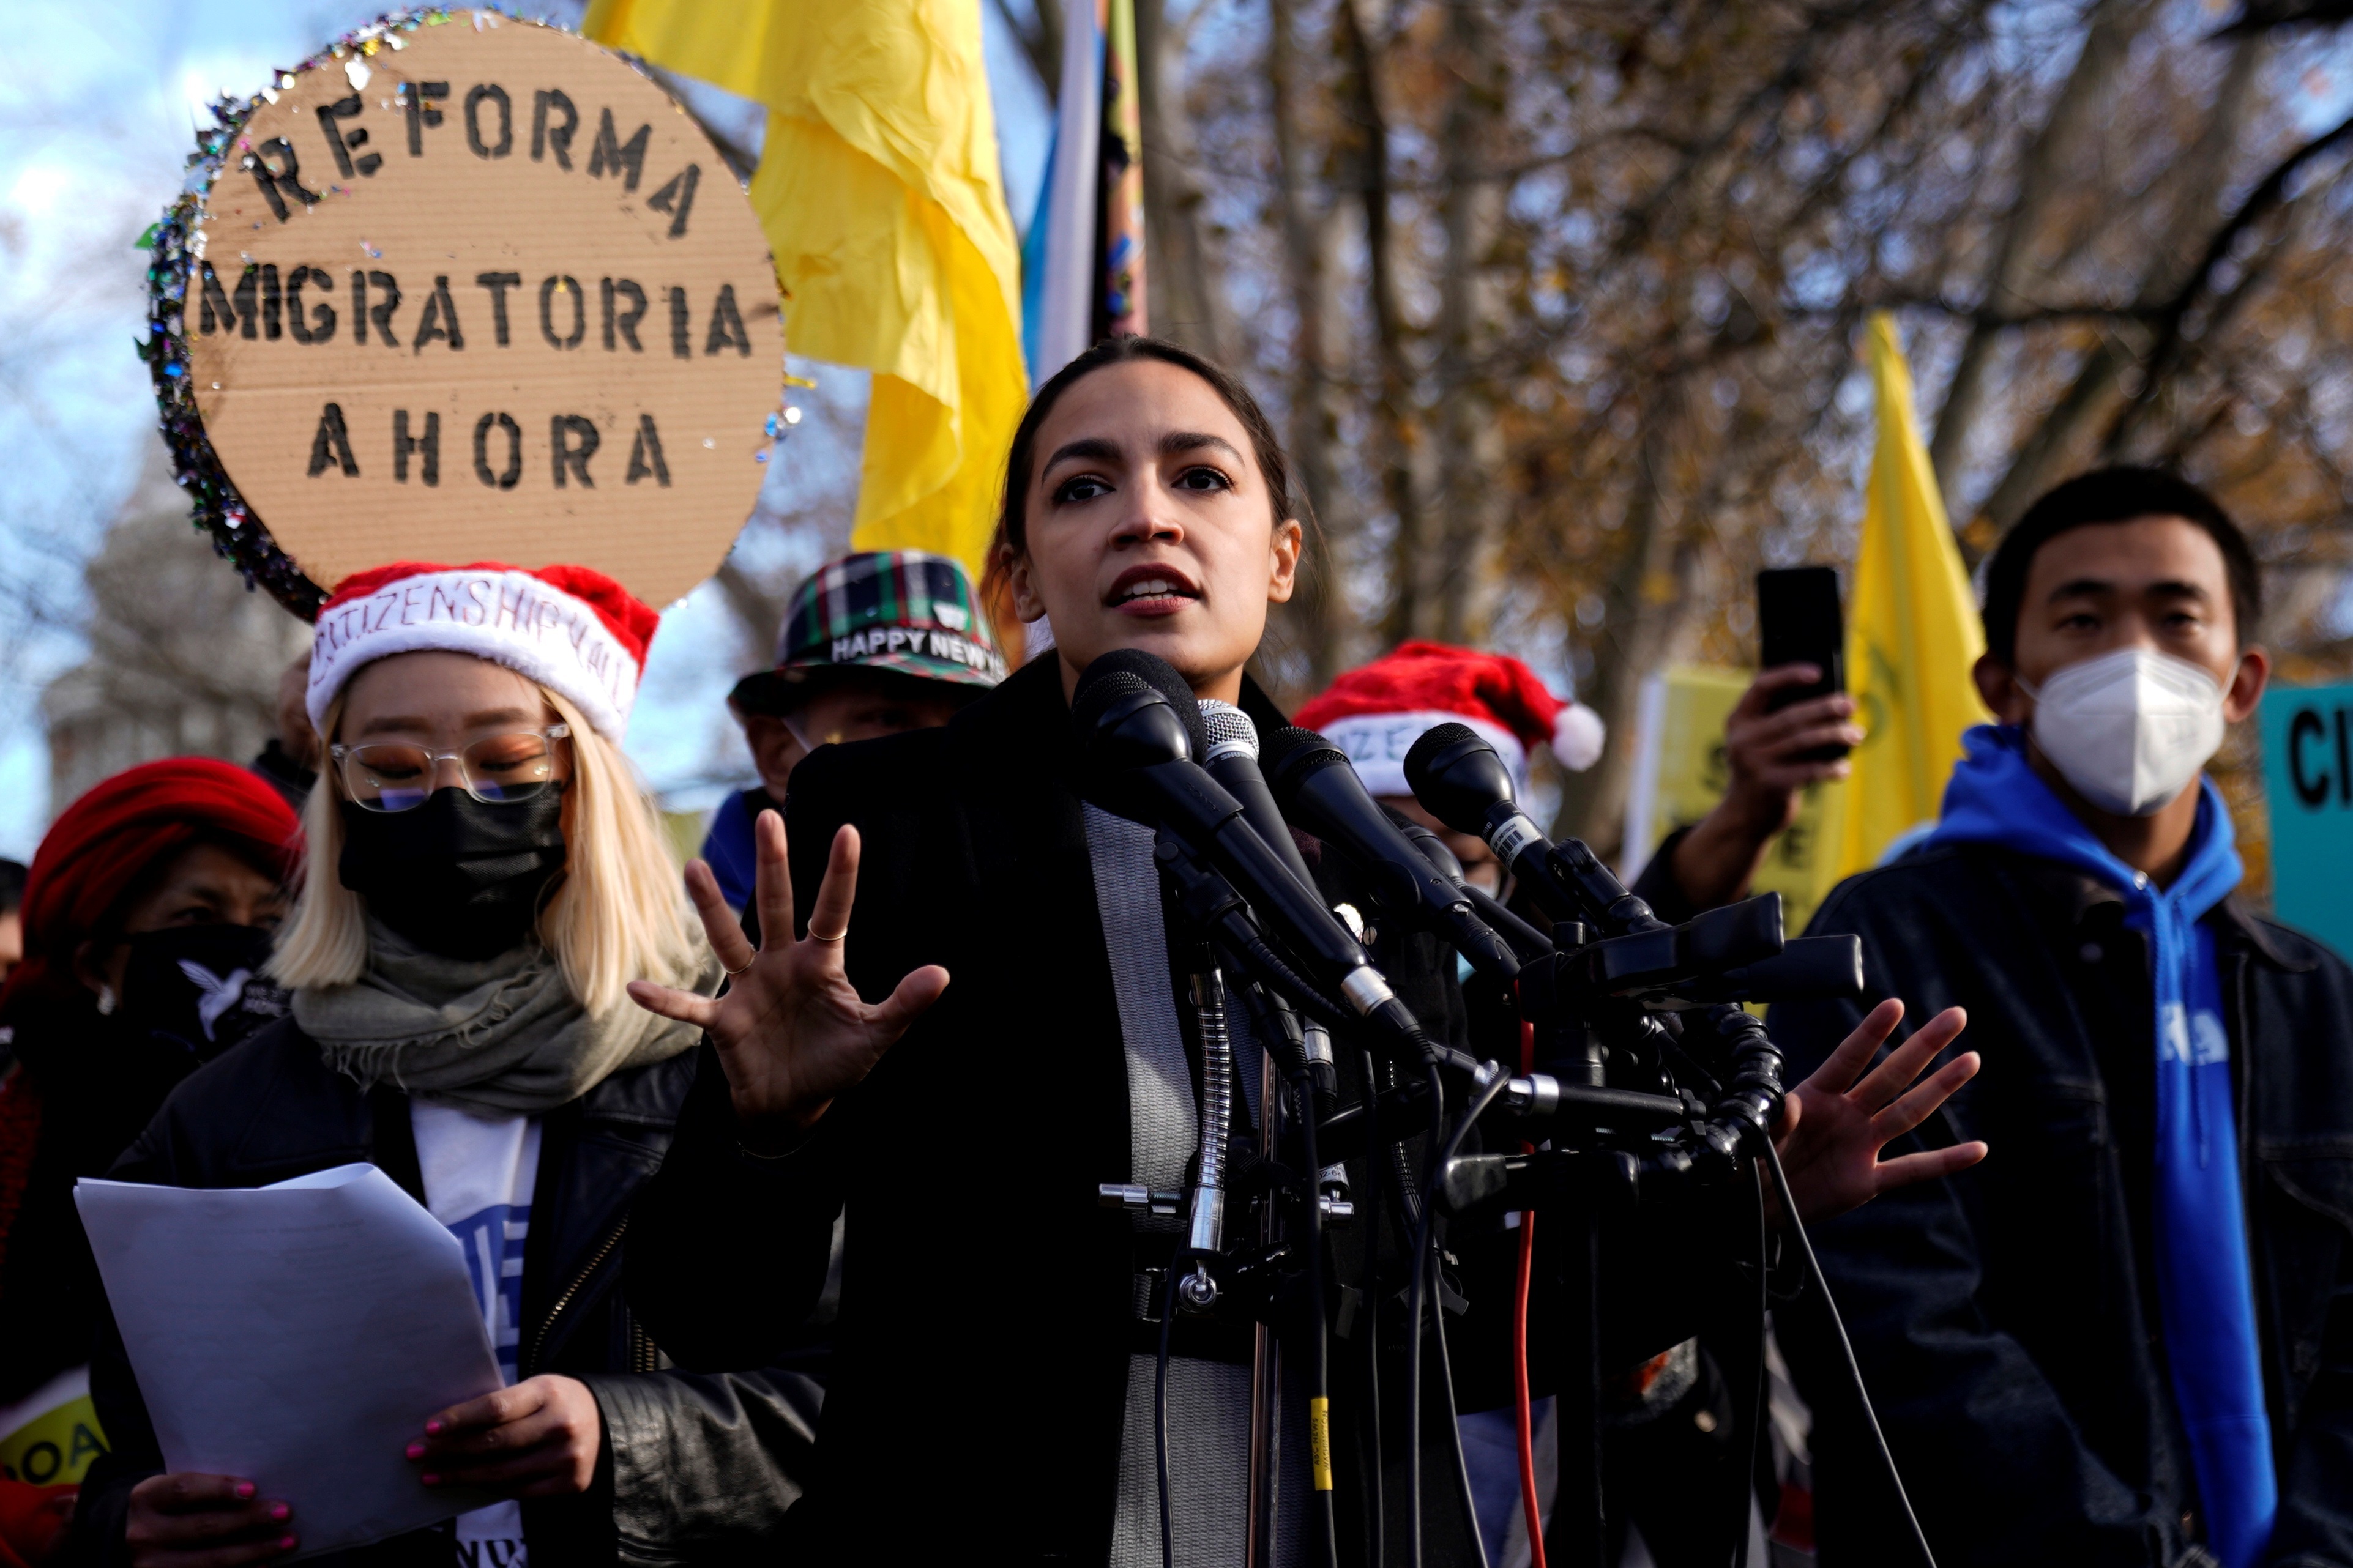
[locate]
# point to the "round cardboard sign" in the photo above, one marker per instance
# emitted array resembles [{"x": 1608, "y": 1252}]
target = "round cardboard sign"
[{"x": 470, "y": 288}]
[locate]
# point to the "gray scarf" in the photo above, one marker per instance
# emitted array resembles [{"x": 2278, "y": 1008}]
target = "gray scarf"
[{"x": 503, "y": 1036}]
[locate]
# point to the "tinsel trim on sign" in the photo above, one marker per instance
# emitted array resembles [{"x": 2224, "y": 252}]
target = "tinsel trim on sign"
[{"x": 177, "y": 247}]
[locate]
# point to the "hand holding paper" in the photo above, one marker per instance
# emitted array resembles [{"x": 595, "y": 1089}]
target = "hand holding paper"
[{"x": 298, "y": 1337}]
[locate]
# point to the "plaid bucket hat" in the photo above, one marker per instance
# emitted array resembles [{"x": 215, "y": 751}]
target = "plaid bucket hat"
[{"x": 901, "y": 613}]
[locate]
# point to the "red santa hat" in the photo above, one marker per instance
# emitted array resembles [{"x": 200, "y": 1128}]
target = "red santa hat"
[
  {"x": 573, "y": 630},
  {"x": 1375, "y": 712}
]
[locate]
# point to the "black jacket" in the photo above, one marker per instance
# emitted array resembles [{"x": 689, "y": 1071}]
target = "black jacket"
[
  {"x": 988, "y": 1312},
  {"x": 693, "y": 1466},
  {"x": 2007, "y": 1319},
  {"x": 97, "y": 1084}
]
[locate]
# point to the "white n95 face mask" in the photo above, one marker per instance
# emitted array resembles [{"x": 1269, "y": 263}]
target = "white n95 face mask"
[{"x": 2129, "y": 729}]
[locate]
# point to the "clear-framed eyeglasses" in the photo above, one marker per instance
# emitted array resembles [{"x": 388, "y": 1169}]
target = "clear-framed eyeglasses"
[{"x": 497, "y": 770}]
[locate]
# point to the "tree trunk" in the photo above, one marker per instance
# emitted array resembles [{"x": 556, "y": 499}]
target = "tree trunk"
[
  {"x": 1040, "y": 38},
  {"x": 1181, "y": 254},
  {"x": 2046, "y": 174},
  {"x": 1319, "y": 617},
  {"x": 1471, "y": 460},
  {"x": 1394, "y": 424},
  {"x": 2056, "y": 442},
  {"x": 1646, "y": 608}
]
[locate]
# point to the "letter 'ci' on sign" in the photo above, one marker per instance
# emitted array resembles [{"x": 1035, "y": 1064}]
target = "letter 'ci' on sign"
[
  {"x": 2308, "y": 782},
  {"x": 478, "y": 289}
]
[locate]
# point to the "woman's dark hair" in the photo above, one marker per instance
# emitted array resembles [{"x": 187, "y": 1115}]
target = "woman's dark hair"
[
  {"x": 1021, "y": 460},
  {"x": 2113, "y": 495}
]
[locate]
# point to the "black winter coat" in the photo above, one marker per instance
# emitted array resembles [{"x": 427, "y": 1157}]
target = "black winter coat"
[
  {"x": 693, "y": 1466},
  {"x": 2006, "y": 1319},
  {"x": 988, "y": 1309},
  {"x": 99, "y": 1085}
]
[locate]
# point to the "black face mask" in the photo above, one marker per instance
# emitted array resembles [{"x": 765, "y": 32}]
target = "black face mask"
[
  {"x": 455, "y": 876},
  {"x": 199, "y": 987}
]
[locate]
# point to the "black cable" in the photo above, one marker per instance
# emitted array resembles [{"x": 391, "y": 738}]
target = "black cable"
[
  {"x": 1441, "y": 1155},
  {"x": 1377, "y": 1534},
  {"x": 1319, "y": 1384},
  {"x": 1754, "y": 1412},
  {"x": 1772, "y": 1158},
  {"x": 1160, "y": 1413},
  {"x": 1419, "y": 1253},
  {"x": 1255, "y": 956},
  {"x": 1454, "y": 1420}
]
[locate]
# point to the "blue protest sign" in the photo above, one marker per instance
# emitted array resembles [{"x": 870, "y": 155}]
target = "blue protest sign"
[{"x": 2308, "y": 778}]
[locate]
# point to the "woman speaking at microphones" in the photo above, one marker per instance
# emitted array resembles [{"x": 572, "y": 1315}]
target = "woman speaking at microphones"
[{"x": 962, "y": 1019}]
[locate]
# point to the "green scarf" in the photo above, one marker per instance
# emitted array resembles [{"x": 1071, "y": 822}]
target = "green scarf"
[{"x": 503, "y": 1036}]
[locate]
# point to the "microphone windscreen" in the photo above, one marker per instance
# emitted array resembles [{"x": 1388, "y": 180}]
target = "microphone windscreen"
[
  {"x": 1431, "y": 741},
  {"x": 1456, "y": 774},
  {"x": 1097, "y": 693},
  {"x": 1291, "y": 753},
  {"x": 1087, "y": 704},
  {"x": 1229, "y": 730}
]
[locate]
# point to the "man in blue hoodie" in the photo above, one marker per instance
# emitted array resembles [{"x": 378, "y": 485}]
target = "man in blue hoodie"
[{"x": 2127, "y": 1337}]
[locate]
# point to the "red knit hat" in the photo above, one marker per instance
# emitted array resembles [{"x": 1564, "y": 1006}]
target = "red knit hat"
[
  {"x": 1376, "y": 711},
  {"x": 121, "y": 826},
  {"x": 573, "y": 630}
]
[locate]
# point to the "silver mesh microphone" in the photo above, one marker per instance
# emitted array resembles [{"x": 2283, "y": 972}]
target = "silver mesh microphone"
[{"x": 1232, "y": 733}]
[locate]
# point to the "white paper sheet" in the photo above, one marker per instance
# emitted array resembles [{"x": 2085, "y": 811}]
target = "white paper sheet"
[{"x": 298, "y": 1335}]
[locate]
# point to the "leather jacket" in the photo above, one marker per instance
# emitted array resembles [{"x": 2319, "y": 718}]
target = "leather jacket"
[
  {"x": 2007, "y": 1319},
  {"x": 694, "y": 1466}
]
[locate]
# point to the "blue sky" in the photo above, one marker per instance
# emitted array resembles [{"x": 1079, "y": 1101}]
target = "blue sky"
[{"x": 99, "y": 102}]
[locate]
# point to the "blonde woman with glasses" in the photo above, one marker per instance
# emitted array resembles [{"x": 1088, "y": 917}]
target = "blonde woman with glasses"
[{"x": 484, "y": 878}]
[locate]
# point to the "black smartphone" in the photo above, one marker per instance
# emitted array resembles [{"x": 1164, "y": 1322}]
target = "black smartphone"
[{"x": 1798, "y": 621}]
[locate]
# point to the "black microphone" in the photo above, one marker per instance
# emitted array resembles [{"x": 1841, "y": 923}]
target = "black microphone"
[
  {"x": 1313, "y": 779},
  {"x": 1139, "y": 751},
  {"x": 1526, "y": 941},
  {"x": 1232, "y": 758},
  {"x": 1232, "y": 761},
  {"x": 1460, "y": 781}
]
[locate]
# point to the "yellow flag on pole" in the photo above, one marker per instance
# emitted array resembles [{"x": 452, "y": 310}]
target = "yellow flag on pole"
[
  {"x": 880, "y": 191},
  {"x": 1913, "y": 633}
]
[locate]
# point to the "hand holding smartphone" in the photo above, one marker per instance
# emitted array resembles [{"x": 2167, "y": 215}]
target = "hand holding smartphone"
[{"x": 1798, "y": 621}]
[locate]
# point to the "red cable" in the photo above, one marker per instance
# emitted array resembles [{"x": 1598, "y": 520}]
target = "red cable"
[{"x": 1520, "y": 1410}]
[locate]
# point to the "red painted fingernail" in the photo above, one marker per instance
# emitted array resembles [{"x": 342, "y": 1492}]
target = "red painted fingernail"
[
  {"x": 430, "y": 1480},
  {"x": 280, "y": 1513},
  {"x": 244, "y": 1491},
  {"x": 416, "y": 1450},
  {"x": 433, "y": 1428},
  {"x": 285, "y": 1543}
]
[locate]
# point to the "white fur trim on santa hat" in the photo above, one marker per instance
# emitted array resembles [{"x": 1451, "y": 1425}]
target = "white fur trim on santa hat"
[
  {"x": 1376, "y": 744},
  {"x": 510, "y": 618},
  {"x": 1578, "y": 733}
]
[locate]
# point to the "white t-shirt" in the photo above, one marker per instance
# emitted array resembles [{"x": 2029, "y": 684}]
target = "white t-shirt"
[{"x": 478, "y": 1173}]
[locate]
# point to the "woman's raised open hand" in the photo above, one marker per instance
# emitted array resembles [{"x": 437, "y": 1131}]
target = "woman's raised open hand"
[{"x": 791, "y": 1030}]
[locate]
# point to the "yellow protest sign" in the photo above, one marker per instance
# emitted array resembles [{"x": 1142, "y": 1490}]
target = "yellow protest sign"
[
  {"x": 50, "y": 1437},
  {"x": 1681, "y": 772}
]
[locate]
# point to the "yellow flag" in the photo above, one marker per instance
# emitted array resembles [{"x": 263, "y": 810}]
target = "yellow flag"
[
  {"x": 1913, "y": 632},
  {"x": 881, "y": 193}
]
